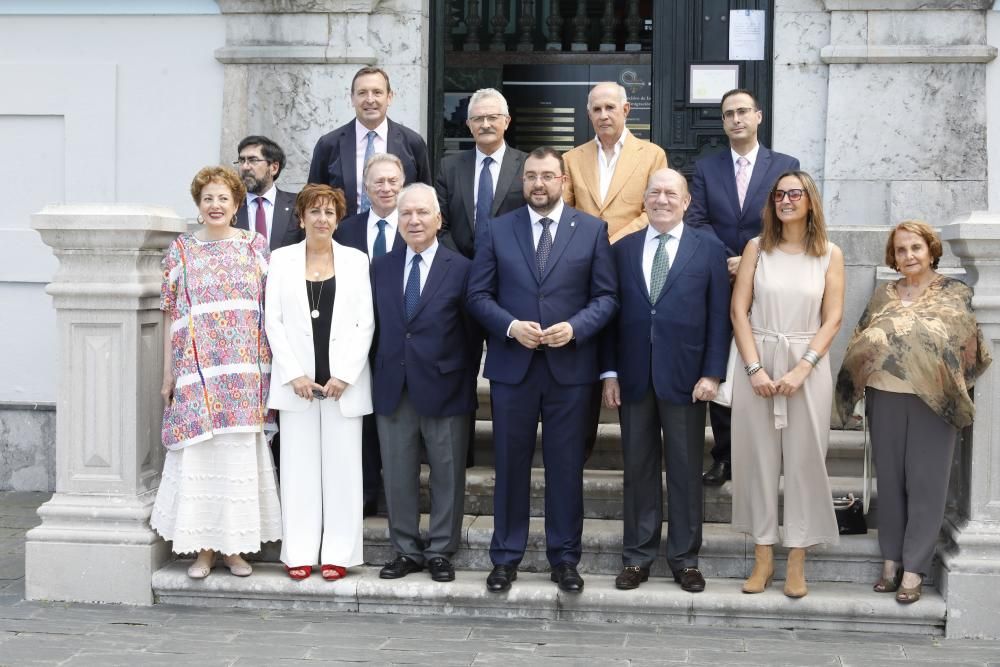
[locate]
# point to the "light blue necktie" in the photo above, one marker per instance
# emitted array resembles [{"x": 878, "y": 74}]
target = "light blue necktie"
[
  {"x": 411, "y": 295},
  {"x": 365, "y": 204}
]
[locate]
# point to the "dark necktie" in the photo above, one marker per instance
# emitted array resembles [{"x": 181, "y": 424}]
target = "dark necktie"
[
  {"x": 260, "y": 224},
  {"x": 544, "y": 246},
  {"x": 378, "y": 248},
  {"x": 484, "y": 196},
  {"x": 365, "y": 204},
  {"x": 411, "y": 295}
]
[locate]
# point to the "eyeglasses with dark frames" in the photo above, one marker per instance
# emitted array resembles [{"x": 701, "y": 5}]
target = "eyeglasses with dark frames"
[{"x": 793, "y": 195}]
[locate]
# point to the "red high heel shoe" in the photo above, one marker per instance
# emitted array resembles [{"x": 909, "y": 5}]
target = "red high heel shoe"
[
  {"x": 300, "y": 572},
  {"x": 333, "y": 572}
]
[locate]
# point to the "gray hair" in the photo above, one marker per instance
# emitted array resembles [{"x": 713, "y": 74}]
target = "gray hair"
[
  {"x": 382, "y": 157},
  {"x": 622, "y": 93},
  {"x": 486, "y": 93},
  {"x": 419, "y": 187}
]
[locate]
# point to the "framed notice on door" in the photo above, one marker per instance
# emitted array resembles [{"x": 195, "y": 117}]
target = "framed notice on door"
[{"x": 707, "y": 82}]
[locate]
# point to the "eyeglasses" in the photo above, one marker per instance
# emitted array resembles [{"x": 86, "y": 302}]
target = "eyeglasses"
[
  {"x": 793, "y": 195},
  {"x": 492, "y": 118},
  {"x": 733, "y": 114},
  {"x": 252, "y": 161},
  {"x": 547, "y": 177}
]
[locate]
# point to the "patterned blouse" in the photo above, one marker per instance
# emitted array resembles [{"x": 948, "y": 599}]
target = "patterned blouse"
[
  {"x": 213, "y": 292},
  {"x": 934, "y": 345}
]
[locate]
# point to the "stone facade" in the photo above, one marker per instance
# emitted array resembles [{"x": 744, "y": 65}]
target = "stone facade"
[{"x": 27, "y": 446}]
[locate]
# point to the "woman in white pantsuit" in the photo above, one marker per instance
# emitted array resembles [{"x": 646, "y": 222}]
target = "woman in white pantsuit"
[{"x": 320, "y": 322}]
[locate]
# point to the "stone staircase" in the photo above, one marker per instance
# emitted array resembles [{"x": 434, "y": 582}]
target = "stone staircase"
[{"x": 840, "y": 577}]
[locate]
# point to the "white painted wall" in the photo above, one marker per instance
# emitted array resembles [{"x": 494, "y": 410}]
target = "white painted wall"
[{"x": 93, "y": 108}]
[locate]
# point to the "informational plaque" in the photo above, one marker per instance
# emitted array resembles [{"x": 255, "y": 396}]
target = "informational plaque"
[
  {"x": 708, "y": 82},
  {"x": 746, "y": 34}
]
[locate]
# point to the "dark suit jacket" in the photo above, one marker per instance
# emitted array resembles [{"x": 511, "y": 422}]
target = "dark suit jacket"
[
  {"x": 685, "y": 335},
  {"x": 715, "y": 206},
  {"x": 579, "y": 286},
  {"x": 431, "y": 353},
  {"x": 334, "y": 159},
  {"x": 456, "y": 195},
  {"x": 285, "y": 228},
  {"x": 352, "y": 231}
]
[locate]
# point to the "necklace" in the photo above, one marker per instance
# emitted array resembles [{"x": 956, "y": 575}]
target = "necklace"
[
  {"x": 910, "y": 293},
  {"x": 314, "y": 302}
]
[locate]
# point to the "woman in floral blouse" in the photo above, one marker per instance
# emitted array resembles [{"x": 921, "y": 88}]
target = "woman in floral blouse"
[
  {"x": 218, "y": 490},
  {"x": 914, "y": 356}
]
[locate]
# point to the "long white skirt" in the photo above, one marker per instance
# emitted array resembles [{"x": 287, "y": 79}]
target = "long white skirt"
[{"x": 219, "y": 494}]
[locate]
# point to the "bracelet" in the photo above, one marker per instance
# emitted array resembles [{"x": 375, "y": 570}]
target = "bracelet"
[
  {"x": 752, "y": 368},
  {"x": 811, "y": 356}
]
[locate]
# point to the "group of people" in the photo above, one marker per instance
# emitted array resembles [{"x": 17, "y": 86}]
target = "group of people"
[{"x": 352, "y": 316}]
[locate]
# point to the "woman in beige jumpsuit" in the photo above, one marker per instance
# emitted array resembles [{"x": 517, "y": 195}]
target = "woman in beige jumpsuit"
[{"x": 794, "y": 292}]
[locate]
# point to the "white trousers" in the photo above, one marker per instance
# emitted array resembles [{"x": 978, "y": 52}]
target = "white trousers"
[{"x": 321, "y": 487}]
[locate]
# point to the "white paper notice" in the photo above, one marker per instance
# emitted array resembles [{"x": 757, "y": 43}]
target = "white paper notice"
[{"x": 746, "y": 34}]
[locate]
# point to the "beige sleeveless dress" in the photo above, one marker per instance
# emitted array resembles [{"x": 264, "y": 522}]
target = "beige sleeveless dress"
[{"x": 794, "y": 431}]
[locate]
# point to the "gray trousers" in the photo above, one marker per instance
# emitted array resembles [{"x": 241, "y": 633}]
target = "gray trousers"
[
  {"x": 644, "y": 450},
  {"x": 446, "y": 442},
  {"x": 913, "y": 449}
]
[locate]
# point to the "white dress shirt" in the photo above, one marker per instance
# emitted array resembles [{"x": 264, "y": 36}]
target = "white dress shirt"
[
  {"x": 391, "y": 221},
  {"x": 536, "y": 226},
  {"x": 606, "y": 167},
  {"x": 751, "y": 158},
  {"x": 497, "y": 157},
  {"x": 269, "y": 197},
  {"x": 381, "y": 146},
  {"x": 426, "y": 259}
]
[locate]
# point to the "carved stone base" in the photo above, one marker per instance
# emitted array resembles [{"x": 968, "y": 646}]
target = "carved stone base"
[{"x": 970, "y": 580}]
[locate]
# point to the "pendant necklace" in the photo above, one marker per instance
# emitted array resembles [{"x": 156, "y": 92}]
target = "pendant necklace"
[{"x": 314, "y": 303}]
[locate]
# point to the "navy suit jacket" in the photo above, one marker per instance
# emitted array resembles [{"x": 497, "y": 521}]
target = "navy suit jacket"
[
  {"x": 430, "y": 354},
  {"x": 352, "y": 231},
  {"x": 682, "y": 337},
  {"x": 578, "y": 286},
  {"x": 285, "y": 228},
  {"x": 715, "y": 204},
  {"x": 334, "y": 160}
]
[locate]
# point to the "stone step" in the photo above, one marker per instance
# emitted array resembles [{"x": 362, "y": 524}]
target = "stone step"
[
  {"x": 843, "y": 458},
  {"x": 828, "y": 606},
  {"x": 602, "y": 494}
]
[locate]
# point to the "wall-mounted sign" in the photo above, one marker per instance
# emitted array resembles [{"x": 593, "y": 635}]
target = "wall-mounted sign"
[
  {"x": 708, "y": 83},
  {"x": 746, "y": 34}
]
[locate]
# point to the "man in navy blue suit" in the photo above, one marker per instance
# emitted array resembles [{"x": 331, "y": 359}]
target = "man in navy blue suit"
[
  {"x": 424, "y": 385},
  {"x": 661, "y": 362},
  {"x": 543, "y": 286},
  {"x": 728, "y": 195},
  {"x": 340, "y": 156}
]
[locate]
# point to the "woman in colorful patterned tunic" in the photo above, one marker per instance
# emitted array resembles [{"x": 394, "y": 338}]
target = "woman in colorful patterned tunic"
[
  {"x": 218, "y": 489},
  {"x": 914, "y": 356}
]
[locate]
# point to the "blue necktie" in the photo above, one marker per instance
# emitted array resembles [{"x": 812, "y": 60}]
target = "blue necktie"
[
  {"x": 378, "y": 248},
  {"x": 365, "y": 204},
  {"x": 411, "y": 295},
  {"x": 544, "y": 246},
  {"x": 484, "y": 200}
]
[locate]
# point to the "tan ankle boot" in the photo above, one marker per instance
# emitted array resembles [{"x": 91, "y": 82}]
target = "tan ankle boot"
[
  {"x": 795, "y": 574},
  {"x": 763, "y": 569}
]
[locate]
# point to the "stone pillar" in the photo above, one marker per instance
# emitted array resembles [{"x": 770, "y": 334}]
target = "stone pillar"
[
  {"x": 906, "y": 118},
  {"x": 970, "y": 577},
  {"x": 95, "y": 543},
  {"x": 289, "y": 66}
]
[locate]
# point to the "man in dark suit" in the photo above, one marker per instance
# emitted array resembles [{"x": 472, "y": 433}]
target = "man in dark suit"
[
  {"x": 272, "y": 210},
  {"x": 542, "y": 285},
  {"x": 728, "y": 194},
  {"x": 340, "y": 156},
  {"x": 661, "y": 361},
  {"x": 424, "y": 386},
  {"x": 375, "y": 233},
  {"x": 481, "y": 183}
]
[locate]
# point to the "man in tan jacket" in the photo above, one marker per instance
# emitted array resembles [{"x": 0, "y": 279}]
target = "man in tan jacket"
[{"x": 607, "y": 177}]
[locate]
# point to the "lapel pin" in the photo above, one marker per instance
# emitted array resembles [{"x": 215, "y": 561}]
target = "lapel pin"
[{"x": 572, "y": 224}]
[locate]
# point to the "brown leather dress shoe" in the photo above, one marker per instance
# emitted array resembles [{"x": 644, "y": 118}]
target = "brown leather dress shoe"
[
  {"x": 690, "y": 579},
  {"x": 631, "y": 576}
]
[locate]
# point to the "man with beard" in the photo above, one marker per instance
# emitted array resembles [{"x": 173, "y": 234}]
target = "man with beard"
[{"x": 272, "y": 211}]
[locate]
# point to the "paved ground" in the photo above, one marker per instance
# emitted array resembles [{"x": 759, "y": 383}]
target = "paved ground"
[{"x": 34, "y": 633}]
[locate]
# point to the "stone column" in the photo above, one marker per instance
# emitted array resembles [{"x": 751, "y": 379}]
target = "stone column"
[
  {"x": 95, "y": 543},
  {"x": 289, "y": 66},
  {"x": 971, "y": 560}
]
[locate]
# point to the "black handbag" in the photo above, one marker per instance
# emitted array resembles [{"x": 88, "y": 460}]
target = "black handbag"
[{"x": 850, "y": 515}]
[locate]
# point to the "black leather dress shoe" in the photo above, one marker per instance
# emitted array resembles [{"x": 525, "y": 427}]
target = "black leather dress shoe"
[
  {"x": 441, "y": 569},
  {"x": 567, "y": 577},
  {"x": 399, "y": 567},
  {"x": 631, "y": 576},
  {"x": 500, "y": 578},
  {"x": 720, "y": 473},
  {"x": 690, "y": 580}
]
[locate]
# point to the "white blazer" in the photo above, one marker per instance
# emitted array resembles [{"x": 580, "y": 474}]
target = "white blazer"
[{"x": 289, "y": 328}]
